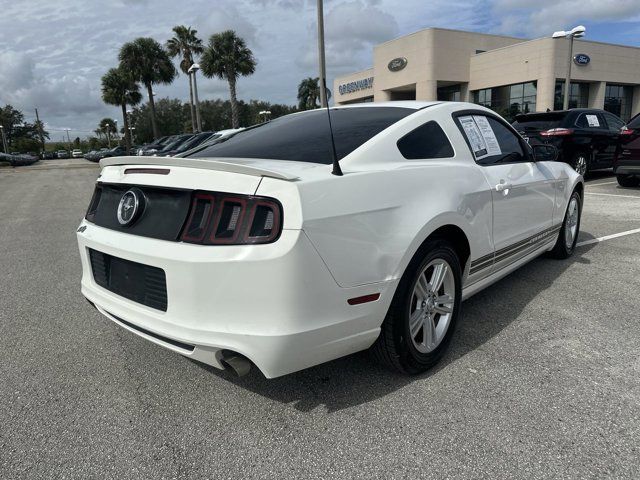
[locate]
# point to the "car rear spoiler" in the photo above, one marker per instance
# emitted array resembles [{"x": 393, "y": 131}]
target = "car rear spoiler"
[{"x": 234, "y": 165}]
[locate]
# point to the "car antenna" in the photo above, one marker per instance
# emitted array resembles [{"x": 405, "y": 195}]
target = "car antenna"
[{"x": 323, "y": 88}]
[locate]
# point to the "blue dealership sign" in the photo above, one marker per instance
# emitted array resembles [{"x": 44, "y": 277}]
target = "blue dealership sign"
[{"x": 581, "y": 59}]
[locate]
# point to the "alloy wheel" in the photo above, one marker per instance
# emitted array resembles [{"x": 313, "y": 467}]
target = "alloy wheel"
[
  {"x": 431, "y": 307},
  {"x": 571, "y": 227},
  {"x": 580, "y": 164}
]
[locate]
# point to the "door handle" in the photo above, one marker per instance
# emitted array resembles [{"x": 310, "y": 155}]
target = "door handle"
[{"x": 503, "y": 187}]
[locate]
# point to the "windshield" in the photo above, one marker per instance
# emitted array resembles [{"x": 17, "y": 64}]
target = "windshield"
[
  {"x": 538, "y": 121},
  {"x": 305, "y": 137},
  {"x": 635, "y": 122}
]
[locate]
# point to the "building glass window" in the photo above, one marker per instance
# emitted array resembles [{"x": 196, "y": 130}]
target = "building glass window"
[
  {"x": 617, "y": 100},
  {"x": 578, "y": 95},
  {"x": 509, "y": 100},
  {"x": 449, "y": 94}
]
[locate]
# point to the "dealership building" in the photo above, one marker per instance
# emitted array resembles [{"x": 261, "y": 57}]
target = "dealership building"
[{"x": 507, "y": 74}]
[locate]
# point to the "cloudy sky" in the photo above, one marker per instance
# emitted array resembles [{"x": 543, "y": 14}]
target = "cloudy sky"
[{"x": 52, "y": 54}]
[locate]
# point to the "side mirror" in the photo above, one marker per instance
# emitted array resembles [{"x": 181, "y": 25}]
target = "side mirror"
[{"x": 544, "y": 153}]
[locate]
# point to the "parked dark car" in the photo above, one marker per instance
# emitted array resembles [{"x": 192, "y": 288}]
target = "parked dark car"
[
  {"x": 151, "y": 148},
  {"x": 626, "y": 164},
  {"x": 175, "y": 144},
  {"x": 118, "y": 151},
  {"x": 95, "y": 156},
  {"x": 192, "y": 142},
  {"x": 586, "y": 138}
]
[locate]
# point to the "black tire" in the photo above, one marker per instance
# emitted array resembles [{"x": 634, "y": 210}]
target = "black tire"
[
  {"x": 394, "y": 347},
  {"x": 561, "y": 250},
  {"x": 581, "y": 162},
  {"x": 628, "y": 180}
]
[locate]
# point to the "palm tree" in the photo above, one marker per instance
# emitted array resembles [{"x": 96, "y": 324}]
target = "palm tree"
[
  {"x": 148, "y": 63},
  {"x": 228, "y": 57},
  {"x": 309, "y": 93},
  {"x": 185, "y": 43},
  {"x": 118, "y": 88}
]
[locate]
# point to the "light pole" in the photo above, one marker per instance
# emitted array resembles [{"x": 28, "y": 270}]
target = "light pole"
[
  {"x": 576, "y": 32},
  {"x": 4, "y": 140},
  {"x": 192, "y": 73},
  {"x": 323, "y": 73},
  {"x": 106, "y": 126},
  {"x": 131, "y": 128}
]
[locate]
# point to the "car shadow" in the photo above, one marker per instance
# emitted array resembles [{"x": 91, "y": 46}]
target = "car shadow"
[{"x": 358, "y": 379}]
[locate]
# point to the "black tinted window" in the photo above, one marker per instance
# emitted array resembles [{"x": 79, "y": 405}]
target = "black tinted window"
[
  {"x": 508, "y": 141},
  {"x": 426, "y": 141},
  {"x": 490, "y": 140},
  {"x": 590, "y": 120},
  {"x": 305, "y": 137},
  {"x": 613, "y": 122},
  {"x": 539, "y": 121},
  {"x": 635, "y": 122}
]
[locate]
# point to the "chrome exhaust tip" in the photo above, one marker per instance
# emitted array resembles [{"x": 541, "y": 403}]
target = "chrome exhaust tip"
[{"x": 236, "y": 362}]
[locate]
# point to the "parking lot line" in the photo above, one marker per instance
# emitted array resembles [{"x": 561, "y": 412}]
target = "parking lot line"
[
  {"x": 608, "y": 237},
  {"x": 613, "y": 195},
  {"x": 598, "y": 184}
]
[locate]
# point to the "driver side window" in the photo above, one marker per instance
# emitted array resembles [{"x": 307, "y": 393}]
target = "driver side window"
[{"x": 491, "y": 141}]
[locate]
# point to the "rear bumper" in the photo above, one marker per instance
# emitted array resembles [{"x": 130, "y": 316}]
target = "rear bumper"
[
  {"x": 627, "y": 167},
  {"x": 276, "y": 304}
]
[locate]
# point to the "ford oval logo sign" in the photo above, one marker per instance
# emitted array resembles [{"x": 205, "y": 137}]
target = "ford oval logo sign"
[
  {"x": 397, "y": 64},
  {"x": 581, "y": 59}
]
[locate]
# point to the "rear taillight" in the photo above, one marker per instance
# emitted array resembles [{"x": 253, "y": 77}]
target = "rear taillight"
[
  {"x": 93, "y": 205},
  {"x": 627, "y": 131},
  {"x": 227, "y": 219},
  {"x": 557, "y": 132}
]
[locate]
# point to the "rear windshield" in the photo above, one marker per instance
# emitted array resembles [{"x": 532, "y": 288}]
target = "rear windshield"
[
  {"x": 305, "y": 137},
  {"x": 538, "y": 121},
  {"x": 635, "y": 122}
]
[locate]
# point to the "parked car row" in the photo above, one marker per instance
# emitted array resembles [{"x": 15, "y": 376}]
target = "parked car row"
[
  {"x": 18, "y": 159},
  {"x": 175, "y": 145},
  {"x": 587, "y": 139}
]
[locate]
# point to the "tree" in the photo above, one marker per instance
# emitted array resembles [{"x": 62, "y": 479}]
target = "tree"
[
  {"x": 20, "y": 135},
  {"x": 185, "y": 44},
  {"x": 148, "y": 63},
  {"x": 228, "y": 57},
  {"x": 108, "y": 128},
  {"x": 119, "y": 88},
  {"x": 309, "y": 93}
]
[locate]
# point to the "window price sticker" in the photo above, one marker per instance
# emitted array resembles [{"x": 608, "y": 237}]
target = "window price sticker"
[
  {"x": 481, "y": 136},
  {"x": 592, "y": 120}
]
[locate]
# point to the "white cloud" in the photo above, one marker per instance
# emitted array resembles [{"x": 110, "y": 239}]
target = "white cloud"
[{"x": 519, "y": 16}]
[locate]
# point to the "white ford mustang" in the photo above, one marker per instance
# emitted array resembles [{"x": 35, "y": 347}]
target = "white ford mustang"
[{"x": 251, "y": 251}]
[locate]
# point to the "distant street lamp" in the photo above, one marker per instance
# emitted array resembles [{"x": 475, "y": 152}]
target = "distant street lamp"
[
  {"x": 4, "y": 140},
  {"x": 192, "y": 73},
  {"x": 265, "y": 113},
  {"x": 576, "y": 32}
]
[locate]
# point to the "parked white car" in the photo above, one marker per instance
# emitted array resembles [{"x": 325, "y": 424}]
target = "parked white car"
[
  {"x": 77, "y": 153},
  {"x": 251, "y": 251}
]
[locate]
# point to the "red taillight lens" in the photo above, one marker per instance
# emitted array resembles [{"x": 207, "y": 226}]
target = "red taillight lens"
[
  {"x": 557, "y": 132},
  {"x": 227, "y": 219},
  {"x": 627, "y": 131}
]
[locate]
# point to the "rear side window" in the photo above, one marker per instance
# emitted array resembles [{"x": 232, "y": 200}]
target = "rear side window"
[
  {"x": 538, "y": 121},
  {"x": 635, "y": 122},
  {"x": 614, "y": 122},
  {"x": 590, "y": 120},
  {"x": 305, "y": 137},
  {"x": 426, "y": 141}
]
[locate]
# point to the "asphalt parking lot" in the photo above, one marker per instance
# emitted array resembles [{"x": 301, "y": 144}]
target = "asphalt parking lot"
[{"x": 542, "y": 381}]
